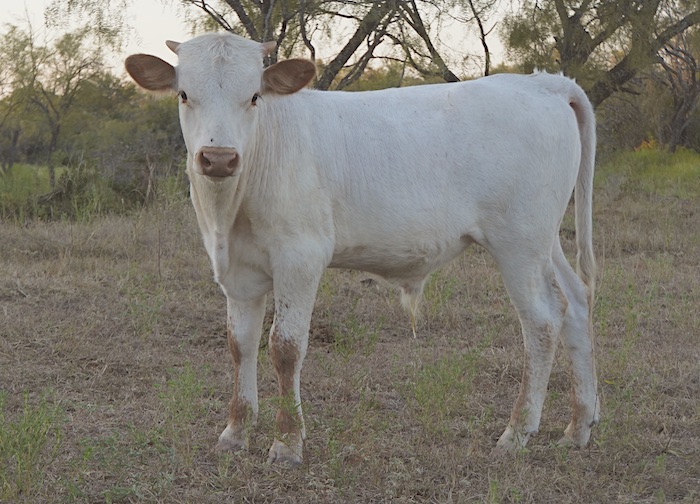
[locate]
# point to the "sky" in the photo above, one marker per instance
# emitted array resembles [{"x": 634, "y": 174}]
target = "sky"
[{"x": 152, "y": 24}]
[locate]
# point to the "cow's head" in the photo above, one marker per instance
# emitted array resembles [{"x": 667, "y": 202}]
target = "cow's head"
[{"x": 219, "y": 81}]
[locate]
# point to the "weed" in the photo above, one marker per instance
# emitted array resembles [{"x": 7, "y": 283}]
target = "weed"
[
  {"x": 352, "y": 336},
  {"x": 181, "y": 398},
  {"x": 29, "y": 446},
  {"x": 289, "y": 406},
  {"x": 440, "y": 391},
  {"x": 145, "y": 298},
  {"x": 493, "y": 496},
  {"x": 19, "y": 189},
  {"x": 438, "y": 293},
  {"x": 81, "y": 194}
]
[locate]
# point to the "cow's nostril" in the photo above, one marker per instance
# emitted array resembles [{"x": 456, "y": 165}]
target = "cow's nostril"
[{"x": 204, "y": 160}]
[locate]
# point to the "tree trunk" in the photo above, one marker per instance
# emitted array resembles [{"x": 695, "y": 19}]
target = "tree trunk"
[
  {"x": 10, "y": 157},
  {"x": 50, "y": 160},
  {"x": 678, "y": 124}
]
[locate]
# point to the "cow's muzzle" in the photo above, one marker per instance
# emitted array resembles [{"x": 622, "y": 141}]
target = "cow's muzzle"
[{"x": 217, "y": 161}]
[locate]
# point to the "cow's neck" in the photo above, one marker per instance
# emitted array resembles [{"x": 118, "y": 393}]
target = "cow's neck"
[
  {"x": 216, "y": 204},
  {"x": 278, "y": 165}
]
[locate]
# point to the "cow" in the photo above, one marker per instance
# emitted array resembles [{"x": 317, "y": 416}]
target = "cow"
[{"x": 287, "y": 181}]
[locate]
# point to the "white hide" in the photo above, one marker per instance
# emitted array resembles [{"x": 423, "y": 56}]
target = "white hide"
[{"x": 395, "y": 182}]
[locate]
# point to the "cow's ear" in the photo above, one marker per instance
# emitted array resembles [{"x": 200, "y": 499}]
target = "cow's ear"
[
  {"x": 150, "y": 72},
  {"x": 288, "y": 76}
]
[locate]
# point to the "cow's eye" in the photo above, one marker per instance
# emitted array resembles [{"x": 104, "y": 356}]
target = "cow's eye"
[
  {"x": 183, "y": 96},
  {"x": 255, "y": 98}
]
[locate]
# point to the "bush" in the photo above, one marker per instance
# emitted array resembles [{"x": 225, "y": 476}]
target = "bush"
[{"x": 81, "y": 193}]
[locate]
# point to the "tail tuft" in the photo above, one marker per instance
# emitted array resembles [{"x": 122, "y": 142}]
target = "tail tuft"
[{"x": 411, "y": 295}]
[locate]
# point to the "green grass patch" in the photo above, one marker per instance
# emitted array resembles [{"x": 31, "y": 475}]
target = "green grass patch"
[
  {"x": 654, "y": 171},
  {"x": 29, "y": 445},
  {"x": 439, "y": 391},
  {"x": 24, "y": 182},
  {"x": 21, "y": 187},
  {"x": 183, "y": 402}
]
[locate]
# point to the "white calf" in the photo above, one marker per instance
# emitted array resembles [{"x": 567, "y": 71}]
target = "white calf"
[{"x": 287, "y": 182}]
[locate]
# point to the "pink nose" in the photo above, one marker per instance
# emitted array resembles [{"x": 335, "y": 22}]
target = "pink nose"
[{"x": 217, "y": 161}]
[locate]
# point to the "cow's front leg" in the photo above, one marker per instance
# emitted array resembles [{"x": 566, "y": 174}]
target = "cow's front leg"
[
  {"x": 244, "y": 330},
  {"x": 289, "y": 335}
]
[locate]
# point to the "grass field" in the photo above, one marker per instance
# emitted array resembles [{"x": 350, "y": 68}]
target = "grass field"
[{"x": 115, "y": 376}]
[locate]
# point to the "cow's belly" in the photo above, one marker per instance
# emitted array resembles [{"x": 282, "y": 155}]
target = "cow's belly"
[{"x": 397, "y": 263}]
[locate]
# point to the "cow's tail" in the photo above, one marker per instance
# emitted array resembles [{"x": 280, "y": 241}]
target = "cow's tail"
[{"x": 583, "y": 195}]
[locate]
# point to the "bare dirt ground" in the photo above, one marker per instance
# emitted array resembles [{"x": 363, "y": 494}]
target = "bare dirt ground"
[{"x": 115, "y": 375}]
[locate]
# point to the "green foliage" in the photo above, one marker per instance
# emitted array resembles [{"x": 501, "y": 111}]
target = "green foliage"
[
  {"x": 19, "y": 189},
  {"x": 602, "y": 44},
  {"x": 528, "y": 34},
  {"x": 81, "y": 193},
  {"x": 59, "y": 106}
]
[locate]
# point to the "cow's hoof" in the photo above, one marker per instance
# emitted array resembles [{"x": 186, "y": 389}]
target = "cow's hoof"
[
  {"x": 511, "y": 441},
  {"x": 281, "y": 454},
  {"x": 502, "y": 451},
  {"x": 575, "y": 438},
  {"x": 577, "y": 434},
  {"x": 230, "y": 446},
  {"x": 231, "y": 442}
]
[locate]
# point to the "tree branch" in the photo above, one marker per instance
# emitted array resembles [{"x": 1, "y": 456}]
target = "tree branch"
[
  {"x": 416, "y": 22},
  {"x": 215, "y": 15},
  {"x": 302, "y": 29},
  {"x": 244, "y": 18},
  {"x": 627, "y": 68},
  {"x": 369, "y": 23},
  {"x": 359, "y": 67},
  {"x": 482, "y": 37}
]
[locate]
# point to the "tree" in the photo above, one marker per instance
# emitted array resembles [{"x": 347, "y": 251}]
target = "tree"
[
  {"x": 48, "y": 78},
  {"x": 10, "y": 129},
  {"x": 603, "y": 43},
  {"x": 12, "y": 100},
  {"x": 680, "y": 75}
]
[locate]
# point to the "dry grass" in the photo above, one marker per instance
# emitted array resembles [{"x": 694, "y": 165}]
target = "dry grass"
[{"x": 115, "y": 379}]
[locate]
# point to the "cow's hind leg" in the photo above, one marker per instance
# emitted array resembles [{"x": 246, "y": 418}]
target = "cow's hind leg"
[
  {"x": 534, "y": 291},
  {"x": 245, "y": 321},
  {"x": 577, "y": 339}
]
